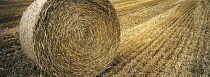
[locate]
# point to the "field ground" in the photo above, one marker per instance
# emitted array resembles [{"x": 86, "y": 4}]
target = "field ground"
[{"x": 158, "y": 37}]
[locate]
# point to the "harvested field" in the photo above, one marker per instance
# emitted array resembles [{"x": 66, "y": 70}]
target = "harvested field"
[{"x": 158, "y": 38}]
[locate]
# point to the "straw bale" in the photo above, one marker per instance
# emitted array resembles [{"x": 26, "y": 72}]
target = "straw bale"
[{"x": 71, "y": 37}]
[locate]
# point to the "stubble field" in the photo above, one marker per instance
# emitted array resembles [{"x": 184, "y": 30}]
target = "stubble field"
[{"x": 158, "y": 38}]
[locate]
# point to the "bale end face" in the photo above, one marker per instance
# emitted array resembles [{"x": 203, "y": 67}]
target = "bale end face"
[{"x": 74, "y": 38}]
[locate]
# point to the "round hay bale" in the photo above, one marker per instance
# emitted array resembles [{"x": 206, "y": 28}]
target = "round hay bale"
[{"x": 70, "y": 37}]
